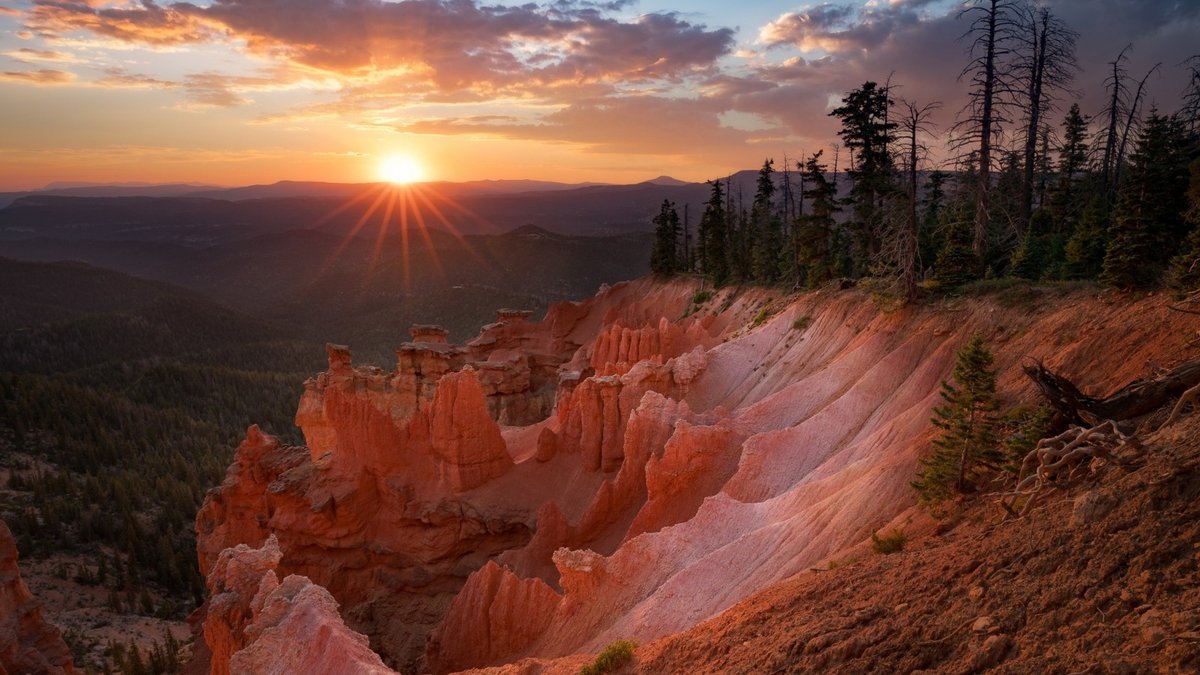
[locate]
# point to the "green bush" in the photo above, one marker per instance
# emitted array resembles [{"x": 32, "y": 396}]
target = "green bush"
[
  {"x": 701, "y": 297},
  {"x": 763, "y": 315},
  {"x": 802, "y": 323},
  {"x": 888, "y": 543},
  {"x": 611, "y": 659}
]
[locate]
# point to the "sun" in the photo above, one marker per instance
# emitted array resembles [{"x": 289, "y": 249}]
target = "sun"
[{"x": 401, "y": 169}]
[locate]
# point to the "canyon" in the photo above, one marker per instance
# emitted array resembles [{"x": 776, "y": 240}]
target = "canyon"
[{"x": 628, "y": 467}]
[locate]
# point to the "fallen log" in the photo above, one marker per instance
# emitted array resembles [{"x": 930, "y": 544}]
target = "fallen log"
[{"x": 1133, "y": 400}]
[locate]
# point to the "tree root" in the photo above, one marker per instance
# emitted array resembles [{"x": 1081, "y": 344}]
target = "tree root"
[
  {"x": 1188, "y": 397},
  {"x": 1061, "y": 460}
]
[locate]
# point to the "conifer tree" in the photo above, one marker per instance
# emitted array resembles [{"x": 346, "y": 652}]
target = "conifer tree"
[
  {"x": 766, "y": 226},
  {"x": 1148, "y": 222},
  {"x": 664, "y": 258},
  {"x": 868, "y": 133},
  {"x": 957, "y": 262},
  {"x": 968, "y": 422},
  {"x": 1035, "y": 257},
  {"x": 1085, "y": 248},
  {"x": 713, "y": 244},
  {"x": 932, "y": 236},
  {"x": 1185, "y": 267},
  {"x": 816, "y": 233},
  {"x": 1072, "y": 158}
]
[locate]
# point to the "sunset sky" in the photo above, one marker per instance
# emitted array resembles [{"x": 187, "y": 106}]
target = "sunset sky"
[{"x": 254, "y": 91}]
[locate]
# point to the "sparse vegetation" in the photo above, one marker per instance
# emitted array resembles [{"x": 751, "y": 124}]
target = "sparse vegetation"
[
  {"x": 762, "y": 316},
  {"x": 614, "y": 656},
  {"x": 701, "y": 297},
  {"x": 888, "y": 543},
  {"x": 803, "y": 322}
]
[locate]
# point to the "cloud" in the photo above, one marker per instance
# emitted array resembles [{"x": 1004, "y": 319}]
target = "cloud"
[
  {"x": 42, "y": 76},
  {"x": 839, "y": 28},
  {"x": 652, "y": 125},
  {"x": 585, "y": 73},
  {"x": 445, "y": 45},
  {"x": 26, "y": 54}
]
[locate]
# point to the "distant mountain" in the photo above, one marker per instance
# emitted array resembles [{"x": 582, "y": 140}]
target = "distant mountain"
[
  {"x": 359, "y": 290},
  {"x": 283, "y": 189},
  {"x": 104, "y": 190},
  {"x": 204, "y": 221},
  {"x": 207, "y": 218},
  {"x": 63, "y": 316},
  {"x": 666, "y": 180}
]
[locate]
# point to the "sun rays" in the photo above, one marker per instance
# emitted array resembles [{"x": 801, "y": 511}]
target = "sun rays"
[{"x": 385, "y": 212}]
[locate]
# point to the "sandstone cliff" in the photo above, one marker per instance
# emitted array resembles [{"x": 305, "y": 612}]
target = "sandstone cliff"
[
  {"x": 28, "y": 643},
  {"x": 629, "y": 466}
]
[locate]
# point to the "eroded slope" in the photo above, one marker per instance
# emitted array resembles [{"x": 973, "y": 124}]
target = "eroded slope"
[{"x": 695, "y": 455}]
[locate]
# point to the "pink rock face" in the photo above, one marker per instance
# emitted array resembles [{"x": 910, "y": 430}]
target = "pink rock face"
[
  {"x": 233, "y": 582},
  {"x": 688, "y": 462},
  {"x": 495, "y": 617},
  {"x": 256, "y": 625},
  {"x": 463, "y": 437},
  {"x": 28, "y": 643}
]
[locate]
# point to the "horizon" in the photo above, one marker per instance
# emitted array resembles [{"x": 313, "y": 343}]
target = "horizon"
[{"x": 223, "y": 93}]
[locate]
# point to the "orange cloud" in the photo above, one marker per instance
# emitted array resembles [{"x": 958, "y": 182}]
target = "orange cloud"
[
  {"x": 432, "y": 46},
  {"x": 42, "y": 76}
]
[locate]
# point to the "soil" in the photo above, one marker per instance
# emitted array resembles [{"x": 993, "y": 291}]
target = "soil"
[{"x": 1101, "y": 579}]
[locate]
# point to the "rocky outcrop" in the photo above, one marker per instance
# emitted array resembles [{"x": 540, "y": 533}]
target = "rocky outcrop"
[
  {"x": 256, "y": 625},
  {"x": 464, "y": 439},
  {"x": 687, "y": 462},
  {"x": 494, "y": 618},
  {"x": 28, "y": 643}
]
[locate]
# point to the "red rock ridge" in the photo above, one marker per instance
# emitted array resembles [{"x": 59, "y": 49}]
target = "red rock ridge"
[
  {"x": 28, "y": 643},
  {"x": 731, "y": 454}
]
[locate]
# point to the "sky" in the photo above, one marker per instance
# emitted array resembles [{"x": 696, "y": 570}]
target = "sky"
[{"x": 233, "y": 92}]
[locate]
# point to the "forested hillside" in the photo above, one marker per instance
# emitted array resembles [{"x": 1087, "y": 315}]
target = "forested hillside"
[{"x": 120, "y": 403}]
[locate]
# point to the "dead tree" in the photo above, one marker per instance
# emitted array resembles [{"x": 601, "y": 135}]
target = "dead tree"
[
  {"x": 1047, "y": 66},
  {"x": 913, "y": 123},
  {"x": 1115, "y": 84},
  {"x": 995, "y": 26},
  {"x": 1094, "y": 432},
  {"x": 1133, "y": 400},
  {"x": 1190, "y": 111},
  {"x": 1059, "y": 461},
  {"x": 1130, "y": 120}
]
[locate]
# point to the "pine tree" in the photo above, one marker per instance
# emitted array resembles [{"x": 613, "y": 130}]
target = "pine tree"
[
  {"x": 1185, "y": 267},
  {"x": 1072, "y": 158},
  {"x": 1035, "y": 258},
  {"x": 932, "y": 236},
  {"x": 1148, "y": 222},
  {"x": 664, "y": 258},
  {"x": 968, "y": 423},
  {"x": 867, "y": 131},
  {"x": 1085, "y": 248},
  {"x": 957, "y": 262},
  {"x": 816, "y": 232},
  {"x": 767, "y": 228},
  {"x": 713, "y": 243}
]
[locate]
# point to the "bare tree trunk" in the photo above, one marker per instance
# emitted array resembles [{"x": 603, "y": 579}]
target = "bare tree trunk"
[
  {"x": 1041, "y": 29},
  {"x": 1129, "y": 120},
  {"x": 1114, "y": 115},
  {"x": 983, "y": 188}
]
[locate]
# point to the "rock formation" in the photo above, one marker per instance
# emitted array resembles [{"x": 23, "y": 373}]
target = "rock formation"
[
  {"x": 626, "y": 467},
  {"x": 28, "y": 643},
  {"x": 257, "y": 624}
]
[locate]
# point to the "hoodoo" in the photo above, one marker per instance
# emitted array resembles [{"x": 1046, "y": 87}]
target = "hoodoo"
[
  {"x": 28, "y": 643},
  {"x": 625, "y": 468}
]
